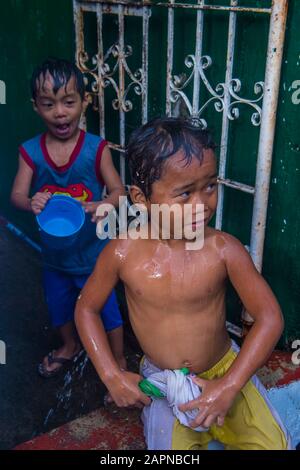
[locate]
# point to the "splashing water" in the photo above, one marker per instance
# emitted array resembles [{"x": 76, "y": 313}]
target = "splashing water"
[
  {"x": 50, "y": 413},
  {"x": 64, "y": 395}
]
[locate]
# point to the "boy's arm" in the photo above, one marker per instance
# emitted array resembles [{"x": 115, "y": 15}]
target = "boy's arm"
[
  {"x": 257, "y": 297},
  {"x": 122, "y": 385},
  {"x": 260, "y": 302},
  {"x": 112, "y": 181},
  {"x": 115, "y": 187},
  {"x": 20, "y": 192}
]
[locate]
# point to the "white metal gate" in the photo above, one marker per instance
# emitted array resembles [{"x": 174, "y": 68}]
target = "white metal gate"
[{"x": 225, "y": 96}]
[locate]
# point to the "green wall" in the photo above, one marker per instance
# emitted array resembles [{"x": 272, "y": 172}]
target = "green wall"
[
  {"x": 32, "y": 29},
  {"x": 282, "y": 246}
]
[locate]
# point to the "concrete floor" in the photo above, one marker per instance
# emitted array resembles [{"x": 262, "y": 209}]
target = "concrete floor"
[{"x": 31, "y": 405}]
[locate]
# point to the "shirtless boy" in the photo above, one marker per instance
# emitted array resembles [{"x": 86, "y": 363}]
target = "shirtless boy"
[{"x": 176, "y": 300}]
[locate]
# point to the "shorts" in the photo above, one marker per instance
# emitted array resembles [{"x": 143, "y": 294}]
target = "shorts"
[
  {"x": 61, "y": 293},
  {"x": 252, "y": 423}
]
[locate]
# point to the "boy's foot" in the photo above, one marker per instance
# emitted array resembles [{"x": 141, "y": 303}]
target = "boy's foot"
[
  {"x": 55, "y": 361},
  {"x": 107, "y": 400}
]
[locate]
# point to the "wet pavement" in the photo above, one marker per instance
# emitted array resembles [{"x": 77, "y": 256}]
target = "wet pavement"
[{"x": 31, "y": 405}]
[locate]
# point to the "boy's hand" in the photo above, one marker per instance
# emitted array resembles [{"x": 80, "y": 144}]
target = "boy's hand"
[
  {"x": 213, "y": 404},
  {"x": 125, "y": 391},
  {"x": 38, "y": 202},
  {"x": 91, "y": 208}
]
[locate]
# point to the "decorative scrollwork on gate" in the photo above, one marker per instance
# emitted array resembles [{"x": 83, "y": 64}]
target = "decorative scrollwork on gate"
[{"x": 179, "y": 83}]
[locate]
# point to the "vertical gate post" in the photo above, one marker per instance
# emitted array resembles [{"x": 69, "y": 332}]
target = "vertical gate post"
[{"x": 266, "y": 137}]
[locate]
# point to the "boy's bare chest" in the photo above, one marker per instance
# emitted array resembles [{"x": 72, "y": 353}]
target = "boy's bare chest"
[
  {"x": 60, "y": 155},
  {"x": 180, "y": 278}
]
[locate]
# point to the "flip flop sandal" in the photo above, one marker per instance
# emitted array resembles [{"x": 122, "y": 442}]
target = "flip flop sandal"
[{"x": 62, "y": 361}]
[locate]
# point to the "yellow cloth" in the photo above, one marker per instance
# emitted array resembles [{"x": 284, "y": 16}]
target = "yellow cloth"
[{"x": 249, "y": 424}]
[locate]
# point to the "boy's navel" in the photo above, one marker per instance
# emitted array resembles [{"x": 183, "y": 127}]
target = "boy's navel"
[{"x": 187, "y": 364}]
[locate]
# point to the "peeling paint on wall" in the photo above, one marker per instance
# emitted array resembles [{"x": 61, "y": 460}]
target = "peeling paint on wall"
[
  {"x": 2, "y": 92},
  {"x": 2, "y": 353},
  {"x": 296, "y": 95}
]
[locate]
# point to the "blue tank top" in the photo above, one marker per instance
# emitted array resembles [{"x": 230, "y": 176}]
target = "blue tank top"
[{"x": 79, "y": 178}]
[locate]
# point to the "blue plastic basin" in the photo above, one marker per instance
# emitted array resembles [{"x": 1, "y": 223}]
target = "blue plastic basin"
[{"x": 60, "y": 222}]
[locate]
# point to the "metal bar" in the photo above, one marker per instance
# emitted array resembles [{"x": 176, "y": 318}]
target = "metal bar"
[
  {"x": 171, "y": 4},
  {"x": 79, "y": 43},
  {"x": 198, "y": 54},
  {"x": 79, "y": 36},
  {"x": 117, "y": 147},
  {"x": 170, "y": 53},
  {"x": 225, "y": 120},
  {"x": 101, "y": 101},
  {"x": 19, "y": 233},
  {"x": 139, "y": 4},
  {"x": 236, "y": 185},
  {"x": 234, "y": 329},
  {"x": 121, "y": 88},
  {"x": 214, "y": 8},
  {"x": 266, "y": 137},
  {"x": 88, "y": 7},
  {"x": 113, "y": 8},
  {"x": 145, "y": 65}
]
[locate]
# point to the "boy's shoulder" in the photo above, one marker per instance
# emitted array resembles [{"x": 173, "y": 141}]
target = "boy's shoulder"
[
  {"x": 94, "y": 142},
  {"x": 33, "y": 141},
  {"x": 129, "y": 244},
  {"x": 94, "y": 138},
  {"x": 216, "y": 238},
  {"x": 129, "y": 241},
  {"x": 118, "y": 250},
  {"x": 223, "y": 241}
]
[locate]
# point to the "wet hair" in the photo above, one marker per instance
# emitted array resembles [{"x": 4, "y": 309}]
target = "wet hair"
[
  {"x": 151, "y": 145},
  {"x": 61, "y": 71}
]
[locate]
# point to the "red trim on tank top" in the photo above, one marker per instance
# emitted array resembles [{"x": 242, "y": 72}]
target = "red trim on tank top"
[
  {"x": 72, "y": 158},
  {"x": 103, "y": 143},
  {"x": 27, "y": 158}
]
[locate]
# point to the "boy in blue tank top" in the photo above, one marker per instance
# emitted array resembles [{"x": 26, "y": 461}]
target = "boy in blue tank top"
[{"x": 67, "y": 160}]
